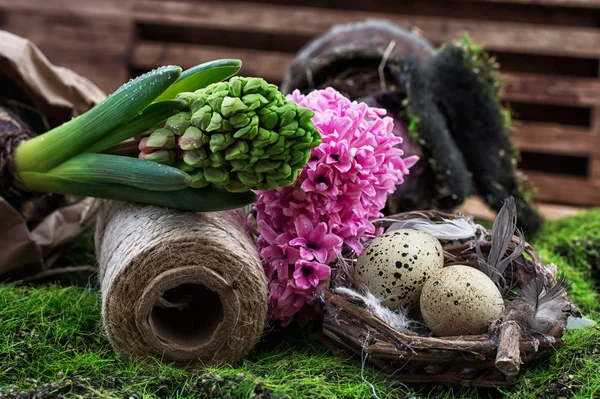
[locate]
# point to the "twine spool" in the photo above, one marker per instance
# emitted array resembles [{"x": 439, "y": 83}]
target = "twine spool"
[{"x": 182, "y": 287}]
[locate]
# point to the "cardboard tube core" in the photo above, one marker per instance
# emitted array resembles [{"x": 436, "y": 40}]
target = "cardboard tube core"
[{"x": 188, "y": 314}]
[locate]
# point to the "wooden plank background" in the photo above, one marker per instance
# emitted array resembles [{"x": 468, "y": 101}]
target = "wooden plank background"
[{"x": 549, "y": 51}]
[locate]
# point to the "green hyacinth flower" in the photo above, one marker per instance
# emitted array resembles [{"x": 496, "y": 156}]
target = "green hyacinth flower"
[{"x": 241, "y": 135}]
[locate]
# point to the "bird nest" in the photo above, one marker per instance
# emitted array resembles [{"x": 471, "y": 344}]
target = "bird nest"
[{"x": 535, "y": 316}]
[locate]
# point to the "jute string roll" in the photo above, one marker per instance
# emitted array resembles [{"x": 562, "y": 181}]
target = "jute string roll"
[{"x": 182, "y": 287}]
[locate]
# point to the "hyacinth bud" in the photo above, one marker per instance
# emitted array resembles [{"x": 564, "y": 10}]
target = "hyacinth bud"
[
  {"x": 161, "y": 139},
  {"x": 192, "y": 139},
  {"x": 184, "y": 167},
  {"x": 179, "y": 123},
  {"x": 240, "y": 135},
  {"x": 164, "y": 157},
  {"x": 198, "y": 180},
  {"x": 197, "y": 158}
]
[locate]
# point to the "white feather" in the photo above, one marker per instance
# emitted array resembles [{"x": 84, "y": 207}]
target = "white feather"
[
  {"x": 574, "y": 323},
  {"x": 455, "y": 229},
  {"x": 397, "y": 320}
]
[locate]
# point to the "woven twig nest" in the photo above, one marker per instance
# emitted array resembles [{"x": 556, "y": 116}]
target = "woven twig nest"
[{"x": 488, "y": 360}]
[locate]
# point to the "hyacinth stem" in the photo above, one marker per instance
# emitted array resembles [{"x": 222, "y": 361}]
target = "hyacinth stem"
[
  {"x": 153, "y": 115},
  {"x": 188, "y": 199},
  {"x": 128, "y": 148},
  {"x": 52, "y": 148}
]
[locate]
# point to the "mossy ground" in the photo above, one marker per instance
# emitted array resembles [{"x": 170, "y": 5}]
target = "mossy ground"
[{"x": 52, "y": 345}]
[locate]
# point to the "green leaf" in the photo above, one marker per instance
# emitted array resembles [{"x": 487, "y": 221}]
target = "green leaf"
[
  {"x": 52, "y": 148},
  {"x": 189, "y": 199},
  {"x": 201, "y": 76},
  {"x": 134, "y": 172}
]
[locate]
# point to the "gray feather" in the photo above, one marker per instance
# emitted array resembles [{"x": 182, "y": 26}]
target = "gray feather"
[
  {"x": 518, "y": 250},
  {"x": 503, "y": 230},
  {"x": 542, "y": 311}
]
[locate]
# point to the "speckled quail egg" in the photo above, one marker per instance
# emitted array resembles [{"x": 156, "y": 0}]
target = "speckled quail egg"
[
  {"x": 460, "y": 300},
  {"x": 395, "y": 265}
]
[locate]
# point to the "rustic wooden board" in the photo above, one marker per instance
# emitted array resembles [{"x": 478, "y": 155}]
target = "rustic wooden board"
[
  {"x": 91, "y": 46},
  {"x": 284, "y": 20},
  {"x": 566, "y": 189},
  {"x": 549, "y": 89},
  {"x": 593, "y": 4},
  {"x": 556, "y": 139},
  {"x": 551, "y": 48},
  {"x": 79, "y": 8},
  {"x": 476, "y": 207},
  {"x": 270, "y": 65}
]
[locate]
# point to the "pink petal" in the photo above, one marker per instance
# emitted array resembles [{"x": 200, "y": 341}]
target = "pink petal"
[
  {"x": 308, "y": 185},
  {"x": 331, "y": 241},
  {"x": 270, "y": 270},
  {"x": 288, "y": 310},
  {"x": 331, "y": 256},
  {"x": 342, "y": 125},
  {"x": 288, "y": 295},
  {"x": 299, "y": 242},
  {"x": 409, "y": 162},
  {"x": 283, "y": 239},
  {"x": 301, "y": 281},
  {"x": 271, "y": 251},
  {"x": 343, "y": 166},
  {"x": 306, "y": 254},
  {"x": 266, "y": 231},
  {"x": 282, "y": 268},
  {"x": 293, "y": 254},
  {"x": 318, "y": 234},
  {"x": 369, "y": 190},
  {"x": 320, "y": 255},
  {"x": 322, "y": 271},
  {"x": 303, "y": 226}
]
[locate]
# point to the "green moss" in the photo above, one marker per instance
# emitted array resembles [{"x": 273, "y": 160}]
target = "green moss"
[
  {"x": 484, "y": 66},
  {"x": 412, "y": 121},
  {"x": 573, "y": 244},
  {"x": 52, "y": 341},
  {"x": 54, "y": 334},
  {"x": 569, "y": 372}
]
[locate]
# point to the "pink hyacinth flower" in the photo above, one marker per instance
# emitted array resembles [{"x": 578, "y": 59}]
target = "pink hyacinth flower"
[
  {"x": 309, "y": 274},
  {"x": 314, "y": 242},
  {"x": 343, "y": 187}
]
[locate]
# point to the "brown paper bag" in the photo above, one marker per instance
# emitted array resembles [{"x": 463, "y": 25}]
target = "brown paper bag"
[{"x": 57, "y": 94}]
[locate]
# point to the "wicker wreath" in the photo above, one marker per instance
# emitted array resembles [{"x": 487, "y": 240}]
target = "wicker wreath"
[{"x": 489, "y": 360}]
